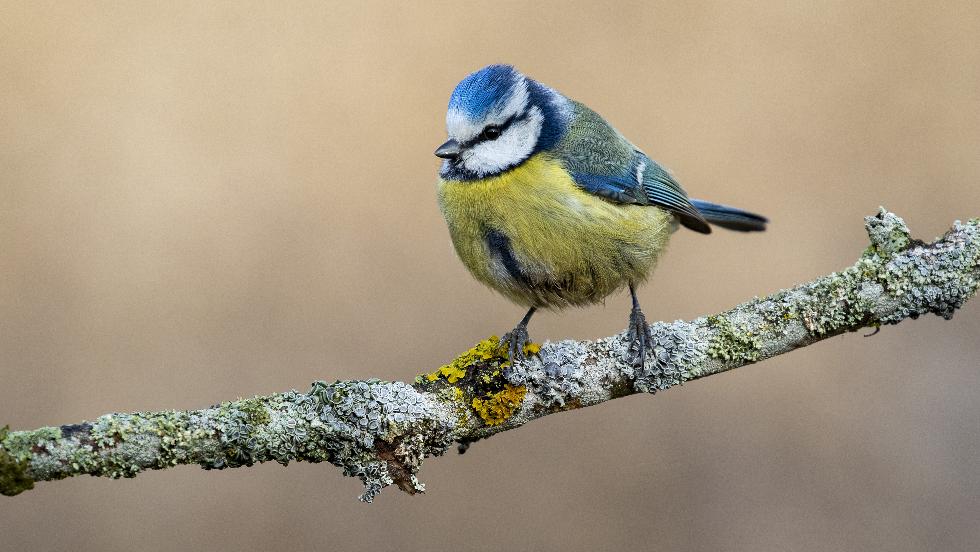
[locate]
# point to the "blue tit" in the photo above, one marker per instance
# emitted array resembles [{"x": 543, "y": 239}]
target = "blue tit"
[{"x": 551, "y": 206}]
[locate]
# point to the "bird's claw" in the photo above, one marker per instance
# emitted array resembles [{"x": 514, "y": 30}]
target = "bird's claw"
[
  {"x": 515, "y": 340},
  {"x": 640, "y": 338}
]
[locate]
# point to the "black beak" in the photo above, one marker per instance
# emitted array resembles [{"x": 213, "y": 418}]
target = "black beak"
[{"x": 449, "y": 150}]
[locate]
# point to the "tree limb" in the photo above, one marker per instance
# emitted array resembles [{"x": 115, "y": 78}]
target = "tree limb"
[{"x": 381, "y": 431}]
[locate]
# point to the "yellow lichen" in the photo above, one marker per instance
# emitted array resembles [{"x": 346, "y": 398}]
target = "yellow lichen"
[
  {"x": 487, "y": 349},
  {"x": 479, "y": 377},
  {"x": 449, "y": 372},
  {"x": 496, "y": 408}
]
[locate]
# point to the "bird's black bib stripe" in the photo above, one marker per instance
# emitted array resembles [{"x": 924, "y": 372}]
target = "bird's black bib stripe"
[{"x": 499, "y": 245}]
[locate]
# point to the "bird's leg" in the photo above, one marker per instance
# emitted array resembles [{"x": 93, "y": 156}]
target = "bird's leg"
[
  {"x": 517, "y": 338},
  {"x": 639, "y": 335}
]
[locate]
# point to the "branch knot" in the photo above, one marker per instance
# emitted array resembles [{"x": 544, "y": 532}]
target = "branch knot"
[{"x": 888, "y": 232}]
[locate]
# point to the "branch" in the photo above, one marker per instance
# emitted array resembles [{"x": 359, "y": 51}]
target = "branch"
[{"x": 381, "y": 431}]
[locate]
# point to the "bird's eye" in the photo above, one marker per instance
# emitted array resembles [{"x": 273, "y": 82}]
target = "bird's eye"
[{"x": 492, "y": 132}]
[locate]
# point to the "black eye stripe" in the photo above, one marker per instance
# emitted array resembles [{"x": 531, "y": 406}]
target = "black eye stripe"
[{"x": 502, "y": 126}]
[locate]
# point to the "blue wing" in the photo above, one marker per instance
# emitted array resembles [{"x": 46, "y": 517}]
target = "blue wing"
[
  {"x": 644, "y": 182},
  {"x": 605, "y": 163}
]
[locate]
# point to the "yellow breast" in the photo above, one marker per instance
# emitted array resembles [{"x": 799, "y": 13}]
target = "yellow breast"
[{"x": 540, "y": 240}]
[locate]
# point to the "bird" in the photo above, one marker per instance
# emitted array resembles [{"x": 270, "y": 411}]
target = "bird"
[{"x": 549, "y": 205}]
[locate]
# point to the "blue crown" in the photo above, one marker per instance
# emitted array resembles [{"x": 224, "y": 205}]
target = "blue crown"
[{"x": 484, "y": 90}]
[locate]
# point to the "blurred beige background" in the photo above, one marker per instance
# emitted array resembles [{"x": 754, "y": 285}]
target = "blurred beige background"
[{"x": 207, "y": 201}]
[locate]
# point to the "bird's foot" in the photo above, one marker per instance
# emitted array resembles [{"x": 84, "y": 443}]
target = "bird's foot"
[
  {"x": 515, "y": 341},
  {"x": 640, "y": 338}
]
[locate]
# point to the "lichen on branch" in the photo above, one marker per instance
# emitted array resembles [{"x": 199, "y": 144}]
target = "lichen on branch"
[{"x": 381, "y": 431}]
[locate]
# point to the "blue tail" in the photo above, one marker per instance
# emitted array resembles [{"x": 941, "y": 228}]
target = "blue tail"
[{"x": 730, "y": 217}]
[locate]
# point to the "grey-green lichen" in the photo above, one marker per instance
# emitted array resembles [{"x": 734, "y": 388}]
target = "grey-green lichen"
[
  {"x": 936, "y": 278},
  {"x": 381, "y": 431},
  {"x": 888, "y": 232},
  {"x": 558, "y": 378},
  {"x": 569, "y": 373},
  {"x": 732, "y": 341},
  {"x": 676, "y": 348},
  {"x": 896, "y": 278},
  {"x": 371, "y": 429}
]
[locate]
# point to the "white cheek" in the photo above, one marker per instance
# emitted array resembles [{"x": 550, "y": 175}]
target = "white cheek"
[{"x": 513, "y": 146}]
